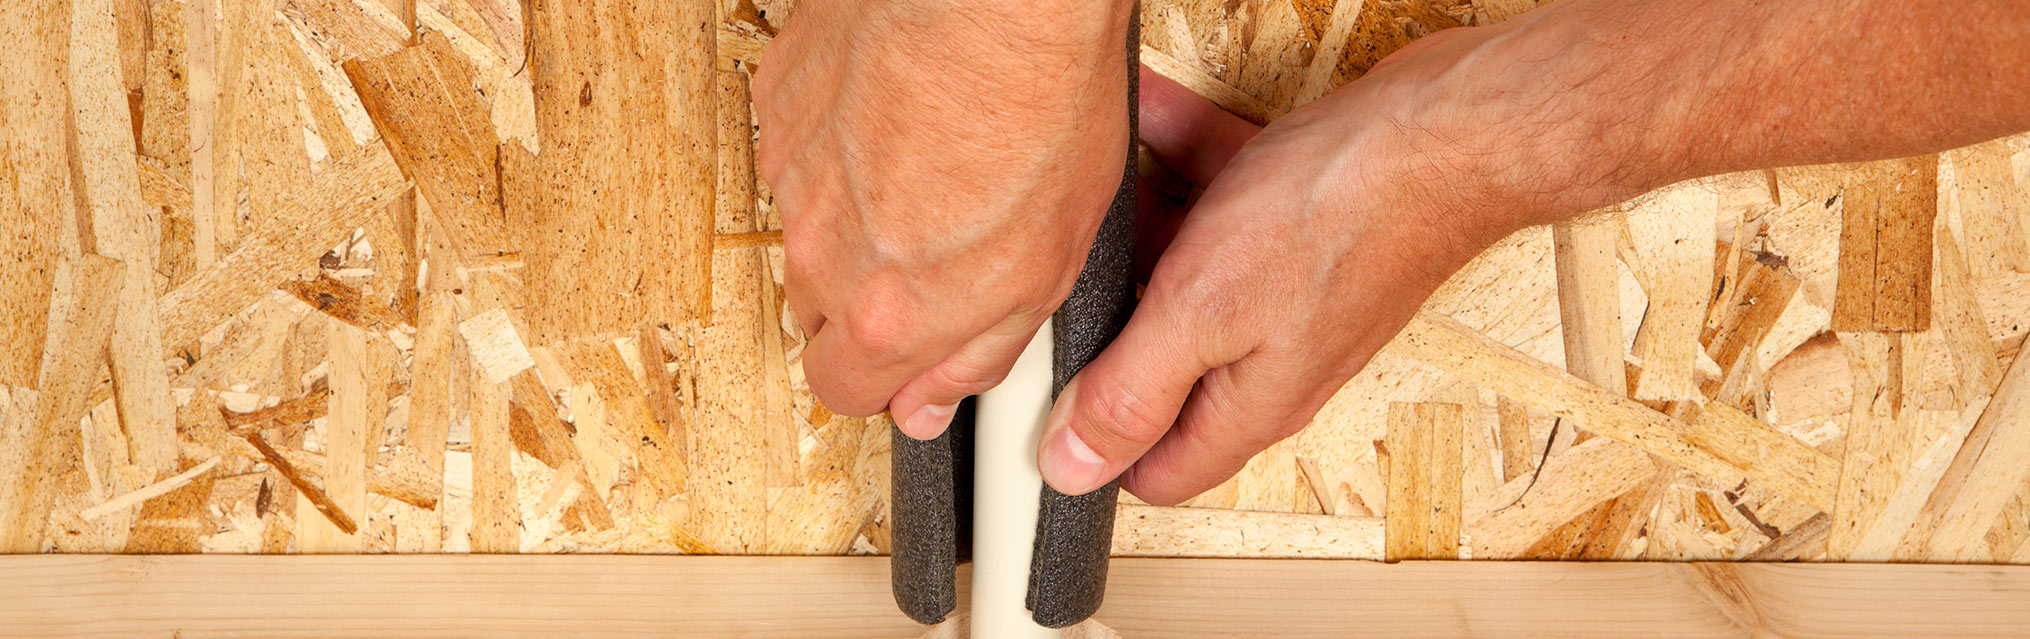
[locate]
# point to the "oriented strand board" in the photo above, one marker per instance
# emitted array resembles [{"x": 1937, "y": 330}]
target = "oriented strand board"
[
  {"x": 35, "y": 188},
  {"x": 614, "y": 368},
  {"x": 624, "y": 104},
  {"x": 42, "y": 430}
]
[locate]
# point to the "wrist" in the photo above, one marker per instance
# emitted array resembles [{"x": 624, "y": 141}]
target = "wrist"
[{"x": 1550, "y": 116}]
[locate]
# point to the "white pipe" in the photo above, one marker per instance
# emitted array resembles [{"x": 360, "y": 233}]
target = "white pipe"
[{"x": 1006, "y": 487}]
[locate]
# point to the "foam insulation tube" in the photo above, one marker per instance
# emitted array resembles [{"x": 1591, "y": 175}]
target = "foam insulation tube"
[{"x": 1005, "y": 489}]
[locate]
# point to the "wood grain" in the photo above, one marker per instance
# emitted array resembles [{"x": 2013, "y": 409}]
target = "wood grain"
[
  {"x": 1885, "y": 248},
  {"x": 37, "y": 210},
  {"x": 210, "y": 597},
  {"x": 1424, "y": 446}
]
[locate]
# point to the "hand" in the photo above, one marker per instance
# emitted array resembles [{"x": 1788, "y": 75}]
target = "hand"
[
  {"x": 1314, "y": 242},
  {"x": 1318, "y": 237},
  {"x": 940, "y": 180}
]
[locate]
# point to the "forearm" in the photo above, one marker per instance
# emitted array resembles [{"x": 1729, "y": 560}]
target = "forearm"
[
  {"x": 1849, "y": 80},
  {"x": 1634, "y": 94}
]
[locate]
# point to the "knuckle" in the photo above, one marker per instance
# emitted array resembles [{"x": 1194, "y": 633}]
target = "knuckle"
[
  {"x": 840, "y": 391},
  {"x": 881, "y": 331},
  {"x": 963, "y": 378},
  {"x": 802, "y": 256},
  {"x": 1118, "y": 416},
  {"x": 798, "y": 243},
  {"x": 1220, "y": 313},
  {"x": 1199, "y": 290},
  {"x": 842, "y": 402}
]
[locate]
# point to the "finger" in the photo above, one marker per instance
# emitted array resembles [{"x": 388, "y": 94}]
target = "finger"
[
  {"x": 859, "y": 358},
  {"x": 1123, "y": 401},
  {"x": 802, "y": 309},
  {"x": 799, "y": 288},
  {"x": 1235, "y": 412},
  {"x": 1186, "y": 132},
  {"x": 924, "y": 406},
  {"x": 855, "y": 369},
  {"x": 1162, "y": 199}
]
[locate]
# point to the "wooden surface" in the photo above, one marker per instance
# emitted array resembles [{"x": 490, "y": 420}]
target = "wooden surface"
[
  {"x": 329, "y": 597},
  {"x": 417, "y": 276}
]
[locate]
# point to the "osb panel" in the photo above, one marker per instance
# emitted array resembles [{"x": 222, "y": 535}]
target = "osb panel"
[{"x": 425, "y": 281}]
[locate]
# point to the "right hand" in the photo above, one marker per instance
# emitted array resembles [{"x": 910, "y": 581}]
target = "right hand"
[{"x": 941, "y": 169}]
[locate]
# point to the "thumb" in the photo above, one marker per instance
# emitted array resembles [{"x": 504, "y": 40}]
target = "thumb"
[{"x": 1122, "y": 402}]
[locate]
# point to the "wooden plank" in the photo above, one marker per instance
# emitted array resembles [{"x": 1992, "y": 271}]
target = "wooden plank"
[
  {"x": 1442, "y": 342},
  {"x": 80, "y": 597},
  {"x": 1424, "y": 444},
  {"x": 1885, "y": 247}
]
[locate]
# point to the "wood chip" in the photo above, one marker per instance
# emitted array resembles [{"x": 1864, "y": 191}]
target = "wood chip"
[
  {"x": 1718, "y": 451},
  {"x": 36, "y": 438},
  {"x": 1424, "y": 446},
  {"x": 1672, "y": 231},
  {"x": 36, "y": 205},
  {"x": 425, "y": 102},
  {"x": 1159, "y": 531},
  {"x": 1885, "y": 248},
  {"x": 292, "y": 240}
]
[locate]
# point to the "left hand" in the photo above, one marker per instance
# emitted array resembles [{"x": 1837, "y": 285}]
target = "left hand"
[{"x": 1315, "y": 241}]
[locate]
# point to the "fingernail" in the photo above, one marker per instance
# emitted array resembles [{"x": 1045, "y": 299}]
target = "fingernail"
[
  {"x": 1069, "y": 465},
  {"x": 930, "y": 420}
]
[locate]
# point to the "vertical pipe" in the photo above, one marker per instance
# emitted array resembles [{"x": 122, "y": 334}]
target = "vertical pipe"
[{"x": 1005, "y": 486}]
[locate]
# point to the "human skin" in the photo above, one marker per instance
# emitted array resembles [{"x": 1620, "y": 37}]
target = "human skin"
[
  {"x": 1318, "y": 237},
  {"x": 932, "y": 160}
]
